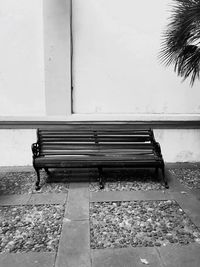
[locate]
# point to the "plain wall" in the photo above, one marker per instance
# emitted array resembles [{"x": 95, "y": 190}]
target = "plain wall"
[
  {"x": 35, "y": 58},
  {"x": 22, "y": 91},
  {"x": 15, "y": 147},
  {"x": 115, "y": 64}
]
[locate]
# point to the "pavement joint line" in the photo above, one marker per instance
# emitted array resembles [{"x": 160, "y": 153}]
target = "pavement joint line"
[{"x": 160, "y": 258}]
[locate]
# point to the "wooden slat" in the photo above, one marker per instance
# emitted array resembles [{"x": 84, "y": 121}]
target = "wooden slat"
[
  {"x": 102, "y": 144},
  {"x": 96, "y": 152},
  {"x": 87, "y": 146}
]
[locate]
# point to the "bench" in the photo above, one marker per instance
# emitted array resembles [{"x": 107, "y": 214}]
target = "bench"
[{"x": 98, "y": 146}]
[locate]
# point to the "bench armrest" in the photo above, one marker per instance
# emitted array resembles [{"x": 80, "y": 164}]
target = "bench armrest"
[
  {"x": 157, "y": 148},
  {"x": 35, "y": 149}
]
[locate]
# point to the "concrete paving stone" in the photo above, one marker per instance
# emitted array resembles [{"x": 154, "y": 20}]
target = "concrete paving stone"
[
  {"x": 16, "y": 169},
  {"x": 130, "y": 195},
  {"x": 125, "y": 257},
  {"x": 182, "y": 165},
  {"x": 180, "y": 256},
  {"x": 47, "y": 198},
  {"x": 175, "y": 184},
  {"x": 31, "y": 259},
  {"x": 190, "y": 205},
  {"x": 9, "y": 200},
  {"x": 196, "y": 193},
  {"x": 78, "y": 202},
  {"x": 74, "y": 245}
]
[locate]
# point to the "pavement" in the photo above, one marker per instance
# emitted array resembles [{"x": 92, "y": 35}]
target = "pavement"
[{"x": 74, "y": 245}]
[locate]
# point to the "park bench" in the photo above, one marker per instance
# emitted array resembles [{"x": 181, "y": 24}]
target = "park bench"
[{"x": 96, "y": 145}]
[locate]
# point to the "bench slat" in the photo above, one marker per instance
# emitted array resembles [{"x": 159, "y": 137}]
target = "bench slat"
[
  {"x": 87, "y": 146},
  {"x": 95, "y": 152}
]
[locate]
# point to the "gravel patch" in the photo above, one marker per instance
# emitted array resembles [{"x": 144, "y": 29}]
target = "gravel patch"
[
  {"x": 140, "y": 224},
  {"x": 189, "y": 177},
  {"x": 139, "y": 180},
  {"x": 30, "y": 228},
  {"x": 24, "y": 182}
]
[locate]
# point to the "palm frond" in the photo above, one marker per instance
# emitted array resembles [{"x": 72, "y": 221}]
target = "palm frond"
[{"x": 181, "y": 41}]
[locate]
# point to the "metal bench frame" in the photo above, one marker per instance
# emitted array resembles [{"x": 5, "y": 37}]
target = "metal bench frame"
[{"x": 96, "y": 145}]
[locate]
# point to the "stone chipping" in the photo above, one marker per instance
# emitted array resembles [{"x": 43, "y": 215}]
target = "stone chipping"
[
  {"x": 30, "y": 228},
  {"x": 189, "y": 177},
  {"x": 140, "y": 224},
  {"x": 138, "y": 180},
  {"x": 24, "y": 183}
]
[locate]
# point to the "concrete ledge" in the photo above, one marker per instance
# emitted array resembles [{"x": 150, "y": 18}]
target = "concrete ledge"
[
  {"x": 47, "y": 198},
  {"x": 31, "y": 123},
  {"x": 13, "y": 200},
  {"x": 30, "y": 259},
  {"x": 74, "y": 245},
  {"x": 78, "y": 202}
]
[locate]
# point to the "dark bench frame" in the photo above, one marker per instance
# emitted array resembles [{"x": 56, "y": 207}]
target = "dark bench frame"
[{"x": 66, "y": 148}]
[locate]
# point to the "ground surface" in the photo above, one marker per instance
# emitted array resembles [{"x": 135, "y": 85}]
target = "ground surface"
[
  {"x": 30, "y": 228},
  {"x": 135, "y": 222},
  {"x": 140, "y": 223},
  {"x": 189, "y": 177},
  {"x": 24, "y": 182}
]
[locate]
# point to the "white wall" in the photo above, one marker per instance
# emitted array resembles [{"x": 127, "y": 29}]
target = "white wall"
[
  {"x": 21, "y": 58},
  {"x": 116, "y": 69},
  {"x": 15, "y": 147}
]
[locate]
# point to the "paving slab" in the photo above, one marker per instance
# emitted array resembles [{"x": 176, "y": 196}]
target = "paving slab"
[
  {"x": 180, "y": 256},
  {"x": 175, "y": 184},
  {"x": 30, "y": 259},
  {"x": 78, "y": 202},
  {"x": 177, "y": 165},
  {"x": 196, "y": 193},
  {"x": 9, "y": 200},
  {"x": 190, "y": 205},
  {"x": 125, "y": 257},
  {"x": 74, "y": 245},
  {"x": 130, "y": 195},
  {"x": 16, "y": 169},
  {"x": 47, "y": 198}
]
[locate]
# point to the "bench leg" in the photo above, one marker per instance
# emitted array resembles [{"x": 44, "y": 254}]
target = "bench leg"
[
  {"x": 37, "y": 184},
  {"x": 156, "y": 173},
  {"x": 47, "y": 170},
  {"x": 164, "y": 177},
  {"x": 101, "y": 178}
]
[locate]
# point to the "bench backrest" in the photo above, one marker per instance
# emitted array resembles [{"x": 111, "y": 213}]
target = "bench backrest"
[{"x": 84, "y": 139}]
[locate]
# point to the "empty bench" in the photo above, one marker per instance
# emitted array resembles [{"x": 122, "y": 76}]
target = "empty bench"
[{"x": 96, "y": 146}]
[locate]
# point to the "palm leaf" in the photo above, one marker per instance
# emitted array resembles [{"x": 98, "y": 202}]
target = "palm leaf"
[{"x": 181, "y": 41}]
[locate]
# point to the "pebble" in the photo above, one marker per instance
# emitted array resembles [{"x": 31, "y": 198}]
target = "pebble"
[
  {"x": 17, "y": 236},
  {"x": 139, "y": 180},
  {"x": 134, "y": 229},
  {"x": 189, "y": 177},
  {"x": 24, "y": 182}
]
